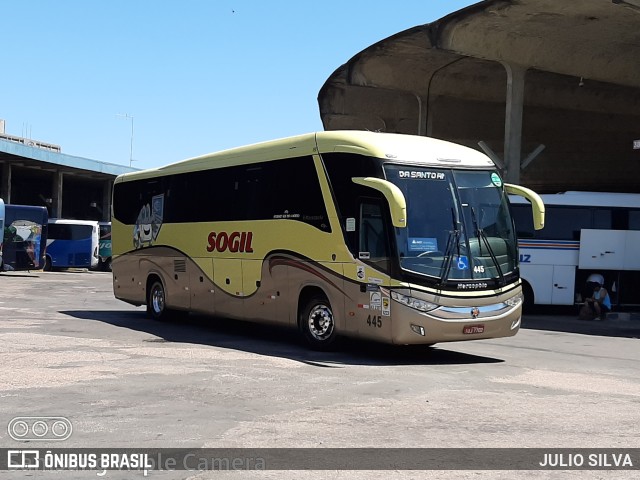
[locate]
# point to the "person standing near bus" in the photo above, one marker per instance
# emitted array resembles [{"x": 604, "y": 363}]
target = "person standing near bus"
[{"x": 599, "y": 302}]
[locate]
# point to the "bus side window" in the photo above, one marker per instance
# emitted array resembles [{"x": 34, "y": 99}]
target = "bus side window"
[
  {"x": 373, "y": 234},
  {"x": 634, "y": 220},
  {"x": 523, "y": 219}
]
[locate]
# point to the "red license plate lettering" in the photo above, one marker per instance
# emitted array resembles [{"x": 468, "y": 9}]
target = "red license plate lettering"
[{"x": 471, "y": 329}]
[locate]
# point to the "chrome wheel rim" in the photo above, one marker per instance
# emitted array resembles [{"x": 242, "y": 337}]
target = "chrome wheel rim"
[
  {"x": 157, "y": 299},
  {"x": 321, "y": 322}
]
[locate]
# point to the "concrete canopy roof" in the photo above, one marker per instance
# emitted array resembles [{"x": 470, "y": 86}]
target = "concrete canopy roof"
[
  {"x": 36, "y": 158},
  {"x": 448, "y": 79}
]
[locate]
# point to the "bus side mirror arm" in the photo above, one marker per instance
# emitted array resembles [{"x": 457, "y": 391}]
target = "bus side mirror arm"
[
  {"x": 537, "y": 205},
  {"x": 393, "y": 195}
]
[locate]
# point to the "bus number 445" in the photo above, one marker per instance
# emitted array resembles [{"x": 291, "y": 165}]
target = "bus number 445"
[{"x": 374, "y": 321}]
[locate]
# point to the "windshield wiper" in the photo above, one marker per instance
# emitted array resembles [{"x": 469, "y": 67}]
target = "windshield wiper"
[
  {"x": 454, "y": 239},
  {"x": 481, "y": 235}
]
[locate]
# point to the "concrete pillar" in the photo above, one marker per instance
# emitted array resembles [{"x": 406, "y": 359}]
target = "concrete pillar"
[
  {"x": 513, "y": 121},
  {"x": 5, "y": 188},
  {"x": 56, "y": 207},
  {"x": 106, "y": 200},
  {"x": 422, "y": 116}
]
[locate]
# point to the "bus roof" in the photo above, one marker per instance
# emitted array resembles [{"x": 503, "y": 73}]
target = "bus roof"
[
  {"x": 392, "y": 146},
  {"x": 25, "y": 207},
  {"x": 587, "y": 199},
  {"x": 69, "y": 221}
]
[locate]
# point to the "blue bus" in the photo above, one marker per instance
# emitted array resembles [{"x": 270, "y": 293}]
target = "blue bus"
[
  {"x": 24, "y": 237},
  {"x": 72, "y": 244}
]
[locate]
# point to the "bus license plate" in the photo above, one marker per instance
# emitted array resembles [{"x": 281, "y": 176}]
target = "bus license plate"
[{"x": 471, "y": 329}]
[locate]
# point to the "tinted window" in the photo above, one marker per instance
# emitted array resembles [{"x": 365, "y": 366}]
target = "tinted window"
[
  {"x": 602, "y": 218},
  {"x": 341, "y": 168},
  {"x": 280, "y": 189},
  {"x": 634, "y": 219},
  {"x": 373, "y": 236},
  {"x": 523, "y": 218},
  {"x": 61, "y": 231},
  {"x": 129, "y": 197},
  {"x": 565, "y": 223}
]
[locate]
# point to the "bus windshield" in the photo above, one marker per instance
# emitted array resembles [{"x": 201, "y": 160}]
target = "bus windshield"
[{"x": 458, "y": 228}]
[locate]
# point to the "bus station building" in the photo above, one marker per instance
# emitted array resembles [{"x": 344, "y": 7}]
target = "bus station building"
[
  {"x": 38, "y": 173},
  {"x": 549, "y": 89}
]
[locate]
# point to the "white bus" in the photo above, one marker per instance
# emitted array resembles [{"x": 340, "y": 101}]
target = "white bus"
[
  {"x": 584, "y": 233},
  {"x": 395, "y": 238},
  {"x": 72, "y": 244}
]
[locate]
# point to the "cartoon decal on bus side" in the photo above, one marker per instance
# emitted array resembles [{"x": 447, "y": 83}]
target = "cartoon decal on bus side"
[{"x": 148, "y": 223}]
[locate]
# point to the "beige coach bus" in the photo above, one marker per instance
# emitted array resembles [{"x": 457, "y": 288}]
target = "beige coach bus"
[{"x": 395, "y": 238}]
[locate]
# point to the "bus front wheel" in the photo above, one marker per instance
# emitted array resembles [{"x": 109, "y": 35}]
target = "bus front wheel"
[
  {"x": 156, "y": 307},
  {"x": 317, "y": 323}
]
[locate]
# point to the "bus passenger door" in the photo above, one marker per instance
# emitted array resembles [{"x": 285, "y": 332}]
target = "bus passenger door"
[{"x": 374, "y": 250}]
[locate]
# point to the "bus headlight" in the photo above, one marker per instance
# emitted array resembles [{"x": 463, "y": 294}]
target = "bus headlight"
[
  {"x": 515, "y": 300},
  {"x": 413, "y": 302}
]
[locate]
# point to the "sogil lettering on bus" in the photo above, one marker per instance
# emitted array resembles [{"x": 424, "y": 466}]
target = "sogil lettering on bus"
[{"x": 234, "y": 242}]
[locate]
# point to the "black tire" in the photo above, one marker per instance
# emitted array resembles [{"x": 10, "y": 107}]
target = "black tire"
[
  {"x": 47, "y": 264},
  {"x": 317, "y": 323},
  {"x": 106, "y": 266},
  {"x": 156, "y": 301}
]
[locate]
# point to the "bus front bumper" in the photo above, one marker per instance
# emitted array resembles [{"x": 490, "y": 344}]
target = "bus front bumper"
[{"x": 452, "y": 324}]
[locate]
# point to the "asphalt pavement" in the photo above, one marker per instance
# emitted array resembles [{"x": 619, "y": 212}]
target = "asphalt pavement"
[{"x": 560, "y": 319}]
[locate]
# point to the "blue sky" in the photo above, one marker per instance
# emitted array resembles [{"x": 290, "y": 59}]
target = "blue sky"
[{"x": 197, "y": 76}]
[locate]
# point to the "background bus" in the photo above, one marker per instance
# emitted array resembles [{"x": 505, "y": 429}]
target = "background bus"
[
  {"x": 104, "y": 249},
  {"x": 72, "y": 243},
  {"x": 1, "y": 231},
  {"x": 396, "y": 238},
  {"x": 24, "y": 237},
  {"x": 584, "y": 233}
]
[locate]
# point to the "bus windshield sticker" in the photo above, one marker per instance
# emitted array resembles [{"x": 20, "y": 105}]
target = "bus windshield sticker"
[
  {"x": 496, "y": 180},
  {"x": 422, "y": 244},
  {"x": 350, "y": 224},
  {"x": 360, "y": 272},
  {"x": 364, "y": 255},
  {"x": 462, "y": 262}
]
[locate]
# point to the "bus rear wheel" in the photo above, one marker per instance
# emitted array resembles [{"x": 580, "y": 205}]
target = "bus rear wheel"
[
  {"x": 156, "y": 307},
  {"x": 317, "y": 323}
]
